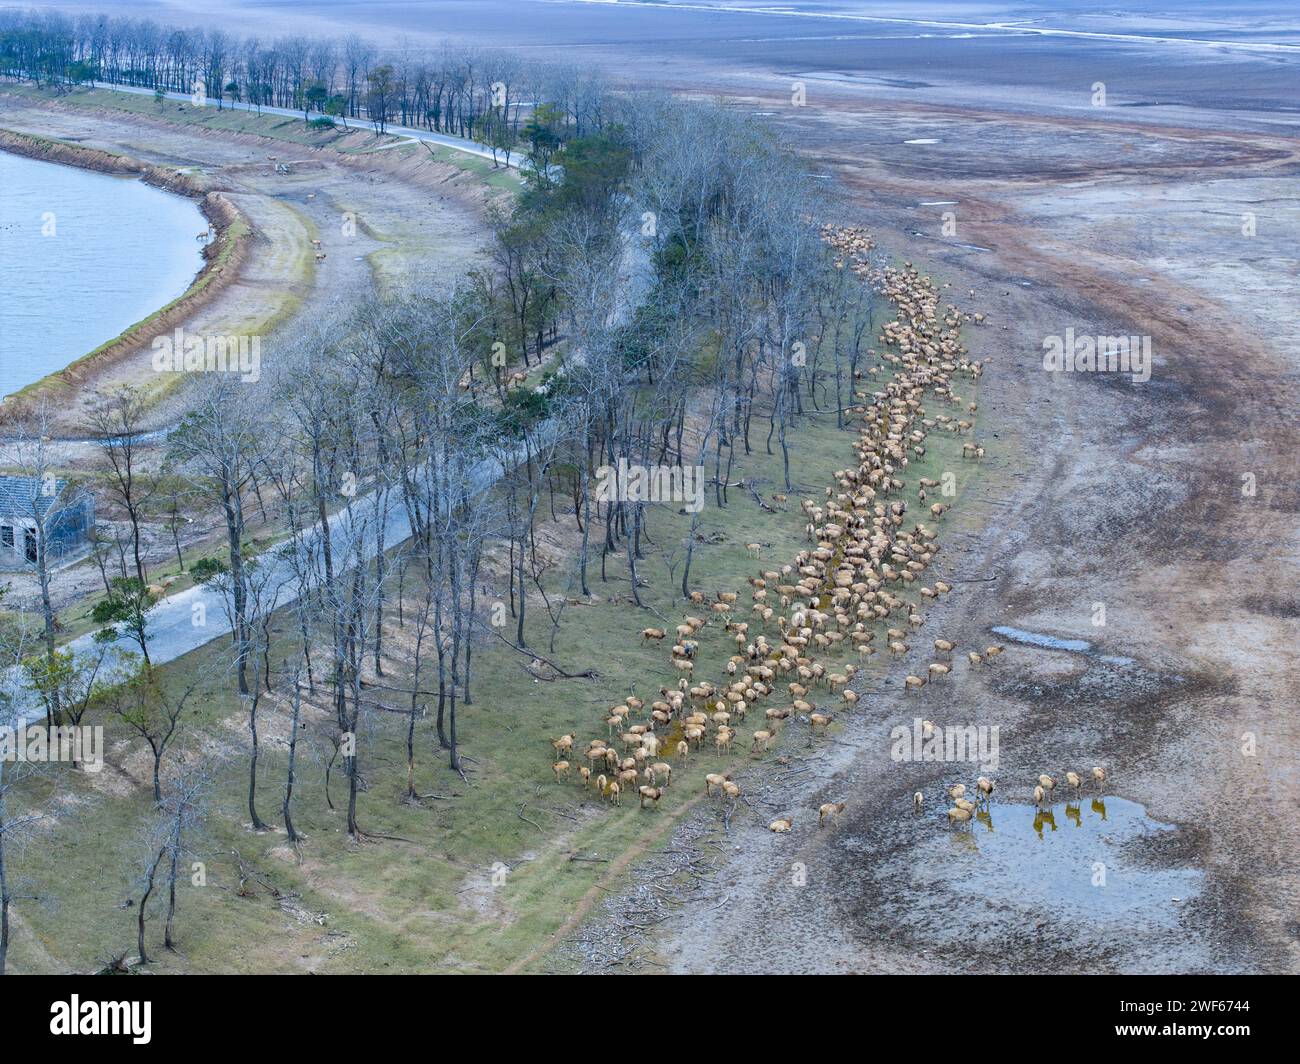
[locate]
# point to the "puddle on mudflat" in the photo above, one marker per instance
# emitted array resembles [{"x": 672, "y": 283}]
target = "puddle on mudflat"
[
  {"x": 1051, "y": 642},
  {"x": 1075, "y": 853},
  {"x": 1036, "y": 639},
  {"x": 1090, "y": 881}
]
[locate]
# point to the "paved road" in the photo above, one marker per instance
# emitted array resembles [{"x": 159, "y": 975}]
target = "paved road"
[{"x": 189, "y": 619}]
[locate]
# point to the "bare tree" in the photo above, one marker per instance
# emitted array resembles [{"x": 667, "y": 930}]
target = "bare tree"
[
  {"x": 165, "y": 840},
  {"x": 290, "y": 772},
  {"x": 218, "y": 443},
  {"x": 264, "y": 580},
  {"x": 184, "y": 812},
  {"x": 116, "y": 420},
  {"x": 154, "y": 714}
]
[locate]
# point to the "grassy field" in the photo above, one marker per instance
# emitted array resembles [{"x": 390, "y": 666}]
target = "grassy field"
[{"x": 424, "y": 899}]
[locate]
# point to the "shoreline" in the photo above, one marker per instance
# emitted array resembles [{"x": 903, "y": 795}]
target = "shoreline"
[{"x": 223, "y": 257}]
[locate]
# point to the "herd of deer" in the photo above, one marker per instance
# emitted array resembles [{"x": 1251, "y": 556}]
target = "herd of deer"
[
  {"x": 963, "y": 809},
  {"x": 863, "y": 553}
]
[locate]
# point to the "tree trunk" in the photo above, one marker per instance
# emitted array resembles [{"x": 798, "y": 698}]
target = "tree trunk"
[
  {"x": 168, "y": 941},
  {"x": 157, "y": 775},
  {"x": 293, "y": 762},
  {"x": 4, "y": 893},
  {"x": 252, "y": 766},
  {"x": 144, "y": 901}
]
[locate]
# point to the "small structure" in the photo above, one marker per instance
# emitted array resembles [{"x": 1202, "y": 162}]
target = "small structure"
[{"x": 30, "y": 504}]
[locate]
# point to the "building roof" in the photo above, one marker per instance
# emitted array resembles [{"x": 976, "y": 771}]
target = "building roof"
[{"x": 23, "y": 497}]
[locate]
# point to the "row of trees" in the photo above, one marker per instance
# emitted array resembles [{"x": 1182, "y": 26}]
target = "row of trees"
[{"x": 458, "y": 90}]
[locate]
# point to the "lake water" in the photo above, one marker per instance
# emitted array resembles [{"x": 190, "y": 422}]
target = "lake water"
[{"x": 83, "y": 256}]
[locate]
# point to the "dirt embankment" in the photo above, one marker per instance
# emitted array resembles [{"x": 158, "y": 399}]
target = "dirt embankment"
[
  {"x": 223, "y": 256},
  {"x": 56, "y": 151}
]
